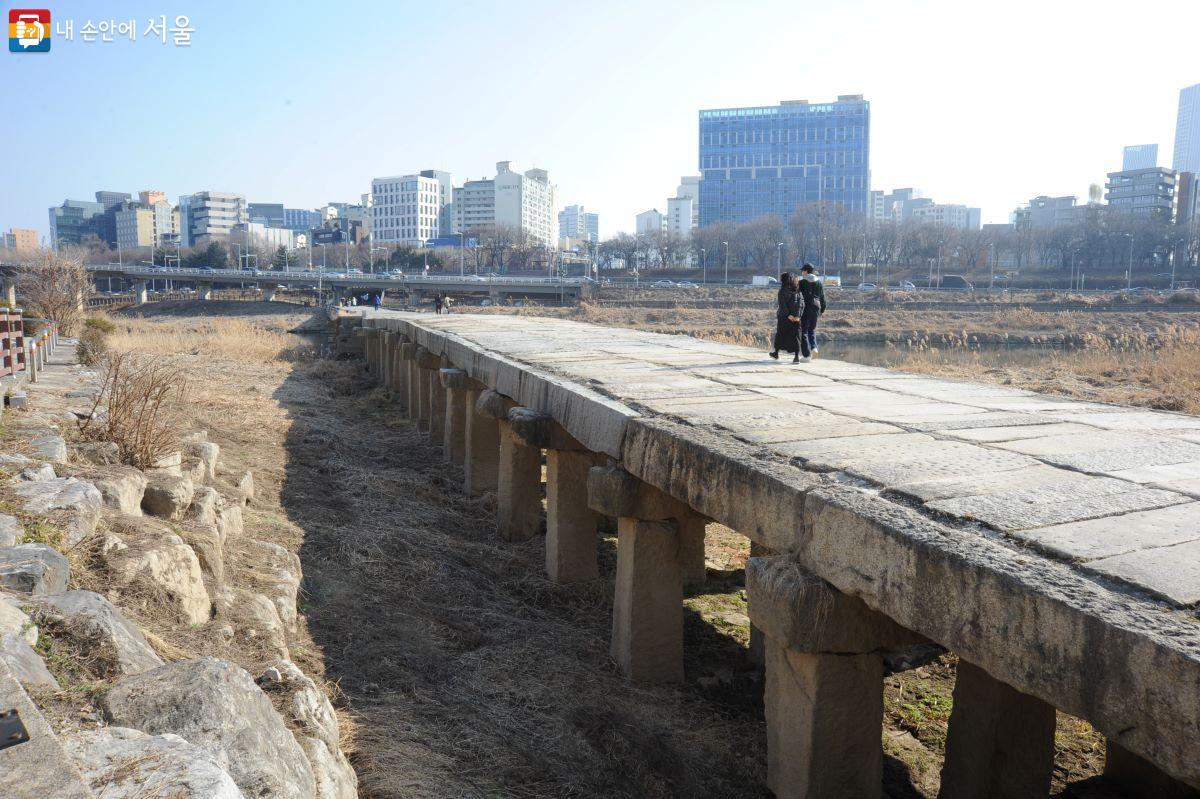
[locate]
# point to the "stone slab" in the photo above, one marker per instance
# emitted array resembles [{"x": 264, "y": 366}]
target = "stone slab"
[
  {"x": 1161, "y": 452},
  {"x": 966, "y": 485},
  {"x": 1019, "y": 432},
  {"x": 1117, "y": 535},
  {"x": 1022, "y": 510},
  {"x": 1172, "y": 572}
]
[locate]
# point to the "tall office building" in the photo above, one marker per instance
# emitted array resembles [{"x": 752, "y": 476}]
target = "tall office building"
[
  {"x": 300, "y": 220},
  {"x": 152, "y": 197},
  {"x": 1187, "y": 199},
  {"x": 474, "y": 207},
  {"x": 407, "y": 209},
  {"x": 1145, "y": 192},
  {"x": 112, "y": 201},
  {"x": 1139, "y": 156},
  {"x": 209, "y": 215},
  {"x": 522, "y": 203},
  {"x": 1187, "y": 131},
  {"x": 75, "y": 220},
  {"x": 775, "y": 159},
  {"x": 575, "y": 222}
]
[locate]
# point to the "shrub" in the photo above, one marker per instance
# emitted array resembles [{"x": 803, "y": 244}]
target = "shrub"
[
  {"x": 132, "y": 408},
  {"x": 93, "y": 340}
]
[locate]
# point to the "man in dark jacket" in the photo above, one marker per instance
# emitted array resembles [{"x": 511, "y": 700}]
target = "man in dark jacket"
[{"x": 813, "y": 292}]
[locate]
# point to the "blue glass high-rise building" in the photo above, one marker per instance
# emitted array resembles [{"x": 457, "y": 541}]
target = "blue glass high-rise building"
[{"x": 775, "y": 159}]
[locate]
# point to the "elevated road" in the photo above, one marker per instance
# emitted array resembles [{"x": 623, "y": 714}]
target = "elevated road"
[
  {"x": 415, "y": 286},
  {"x": 1052, "y": 544}
]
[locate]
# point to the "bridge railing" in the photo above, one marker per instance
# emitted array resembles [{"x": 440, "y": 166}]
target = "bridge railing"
[
  {"x": 234, "y": 275},
  {"x": 12, "y": 342}
]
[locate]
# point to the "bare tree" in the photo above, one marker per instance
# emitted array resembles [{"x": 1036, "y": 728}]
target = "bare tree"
[{"x": 55, "y": 285}]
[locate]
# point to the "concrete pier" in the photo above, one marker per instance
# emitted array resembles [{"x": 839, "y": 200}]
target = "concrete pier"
[
  {"x": 1051, "y": 544},
  {"x": 454, "y": 442},
  {"x": 482, "y": 458},
  {"x": 1000, "y": 743},
  {"x": 824, "y": 691}
]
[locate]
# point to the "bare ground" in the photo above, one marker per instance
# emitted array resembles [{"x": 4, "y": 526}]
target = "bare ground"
[{"x": 460, "y": 669}]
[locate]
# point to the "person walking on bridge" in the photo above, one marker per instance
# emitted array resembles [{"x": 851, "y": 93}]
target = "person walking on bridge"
[
  {"x": 813, "y": 291},
  {"x": 787, "y": 321}
]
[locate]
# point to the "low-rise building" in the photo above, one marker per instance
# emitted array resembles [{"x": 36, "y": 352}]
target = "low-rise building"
[
  {"x": 141, "y": 225},
  {"x": 1142, "y": 192},
  {"x": 1043, "y": 211},
  {"x": 210, "y": 215},
  {"x": 19, "y": 239},
  {"x": 959, "y": 217},
  {"x": 680, "y": 216},
  {"x": 651, "y": 221},
  {"x": 408, "y": 209}
]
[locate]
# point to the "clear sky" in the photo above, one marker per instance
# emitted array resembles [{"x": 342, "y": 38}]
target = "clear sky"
[{"x": 984, "y": 103}]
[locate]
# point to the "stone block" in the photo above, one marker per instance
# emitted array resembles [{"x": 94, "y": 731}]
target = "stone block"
[{"x": 647, "y": 638}]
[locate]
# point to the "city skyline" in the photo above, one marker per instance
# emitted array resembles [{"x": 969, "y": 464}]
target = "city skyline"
[{"x": 990, "y": 135}]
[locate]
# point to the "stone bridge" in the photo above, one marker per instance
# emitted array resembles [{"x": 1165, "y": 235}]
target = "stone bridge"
[{"x": 1052, "y": 544}]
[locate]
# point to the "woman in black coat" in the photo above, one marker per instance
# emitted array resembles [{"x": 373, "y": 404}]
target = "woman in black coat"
[{"x": 787, "y": 319}]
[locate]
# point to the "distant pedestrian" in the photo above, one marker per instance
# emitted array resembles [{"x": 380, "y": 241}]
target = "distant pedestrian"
[
  {"x": 813, "y": 291},
  {"x": 354, "y": 302},
  {"x": 378, "y": 301},
  {"x": 447, "y": 303},
  {"x": 437, "y": 303}
]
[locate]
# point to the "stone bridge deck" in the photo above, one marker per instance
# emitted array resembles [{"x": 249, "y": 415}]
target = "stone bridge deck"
[{"x": 1053, "y": 544}]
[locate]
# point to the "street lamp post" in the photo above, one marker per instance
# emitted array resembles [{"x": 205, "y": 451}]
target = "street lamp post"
[
  {"x": 779, "y": 261},
  {"x": 726, "y": 262},
  {"x": 321, "y": 275},
  {"x": 1129, "y": 265},
  {"x": 704, "y": 266}
]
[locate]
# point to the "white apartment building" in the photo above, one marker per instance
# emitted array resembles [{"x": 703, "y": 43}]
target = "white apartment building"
[
  {"x": 474, "y": 208},
  {"x": 525, "y": 202},
  {"x": 268, "y": 237},
  {"x": 147, "y": 226},
  {"x": 681, "y": 211},
  {"x": 209, "y": 215},
  {"x": 651, "y": 221},
  {"x": 689, "y": 186},
  {"x": 407, "y": 209}
]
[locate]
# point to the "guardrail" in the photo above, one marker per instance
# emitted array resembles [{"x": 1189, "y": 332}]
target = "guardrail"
[
  {"x": 235, "y": 275},
  {"x": 12, "y": 342}
]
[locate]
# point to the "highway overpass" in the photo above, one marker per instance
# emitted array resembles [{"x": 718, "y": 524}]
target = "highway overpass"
[{"x": 416, "y": 287}]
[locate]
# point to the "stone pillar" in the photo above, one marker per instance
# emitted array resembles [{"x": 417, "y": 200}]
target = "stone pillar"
[
  {"x": 268, "y": 293},
  {"x": 140, "y": 293},
  {"x": 408, "y": 366},
  {"x": 1000, "y": 744},
  {"x": 1138, "y": 778},
  {"x": 482, "y": 462},
  {"x": 454, "y": 440},
  {"x": 399, "y": 382},
  {"x": 824, "y": 682},
  {"x": 387, "y": 342},
  {"x": 10, "y": 293},
  {"x": 757, "y": 651},
  {"x": 571, "y": 524},
  {"x": 437, "y": 406},
  {"x": 647, "y": 638},
  {"x": 425, "y": 362},
  {"x": 204, "y": 291},
  {"x": 519, "y": 487},
  {"x": 368, "y": 334},
  {"x": 691, "y": 551}
]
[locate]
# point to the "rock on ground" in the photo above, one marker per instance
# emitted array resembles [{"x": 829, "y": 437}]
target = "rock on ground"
[
  {"x": 15, "y": 620},
  {"x": 164, "y": 563},
  {"x": 206, "y": 453},
  {"x": 33, "y": 569},
  {"x": 254, "y": 620},
  {"x": 122, "y": 488},
  {"x": 91, "y": 620},
  {"x": 50, "y": 446},
  {"x": 216, "y": 706},
  {"x": 24, "y": 663},
  {"x": 334, "y": 776},
  {"x": 74, "y": 502},
  {"x": 167, "y": 495},
  {"x": 277, "y": 570},
  {"x": 10, "y": 531},
  {"x": 204, "y": 505},
  {"x": 98, "y": 453},
  {"x": 123, "y": 763}
]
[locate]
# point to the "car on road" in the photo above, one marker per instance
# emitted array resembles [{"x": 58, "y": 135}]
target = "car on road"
[
  {"x": 687, "y": 284},
  {"x": 473, "y": 278},
  {"x": 955, "y": 283},
  {"x": 907, "y": 285},
  {"x": 867, "y": 287},
  {"x": 663, "y": 284},
  {"x": 355, "y": 272}
]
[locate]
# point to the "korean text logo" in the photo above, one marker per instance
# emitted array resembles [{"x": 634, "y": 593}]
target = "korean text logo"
[{"x": 29, "y": 30}]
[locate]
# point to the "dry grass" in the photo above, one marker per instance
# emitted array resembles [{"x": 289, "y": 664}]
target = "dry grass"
[
  {"x": 1160, "y": 371},
  {"x": 135, "y": 407}
]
